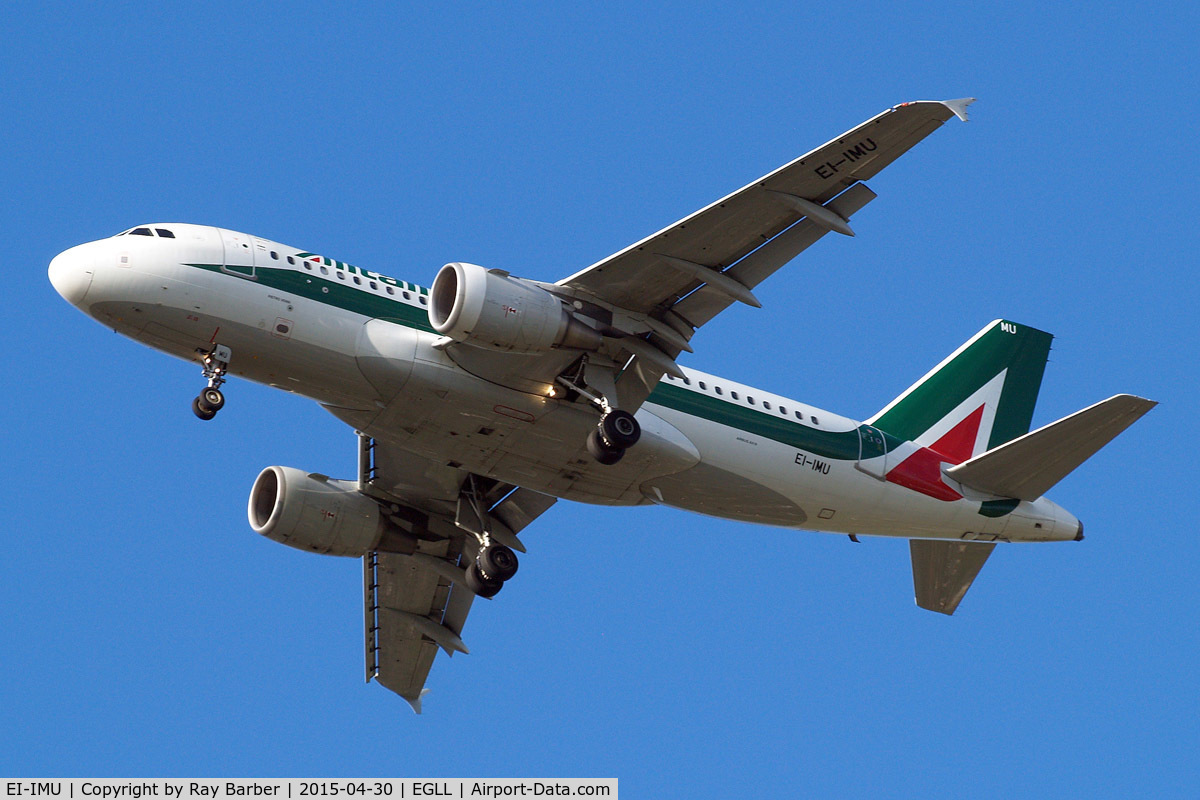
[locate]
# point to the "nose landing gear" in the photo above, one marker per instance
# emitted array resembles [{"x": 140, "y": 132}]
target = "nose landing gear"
[{"x": 211, "y": 399}]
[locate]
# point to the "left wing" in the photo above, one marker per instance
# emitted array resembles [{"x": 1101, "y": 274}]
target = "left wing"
[
  {"x": 415, "y": 603},
  {"x": 411, "y": 608}
]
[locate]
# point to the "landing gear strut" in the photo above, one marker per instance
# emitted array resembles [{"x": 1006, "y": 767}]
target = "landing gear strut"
[
  {"x": 211, "y": 400},
  {"x": 494, "y": 563}
]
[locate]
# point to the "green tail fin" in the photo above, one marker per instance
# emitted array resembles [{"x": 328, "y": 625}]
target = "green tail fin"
[{"x": 981, "y": 396}]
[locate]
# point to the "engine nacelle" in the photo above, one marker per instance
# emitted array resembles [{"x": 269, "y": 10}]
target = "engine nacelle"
[
  {"x": 314, "y": 513},
  {"x": 491, "y": 309}
]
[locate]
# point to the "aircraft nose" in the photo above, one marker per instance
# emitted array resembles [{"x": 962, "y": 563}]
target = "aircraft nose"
[{"x": 71, "y": 274}]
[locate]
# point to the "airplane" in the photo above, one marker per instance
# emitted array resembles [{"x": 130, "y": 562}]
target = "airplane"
[{"x": 482, "y": 400}]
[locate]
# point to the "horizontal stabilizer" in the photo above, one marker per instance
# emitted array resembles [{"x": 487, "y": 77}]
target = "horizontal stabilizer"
[
  {"x": 944, "y": 570},
  {"x": 1029, "y": 465}
]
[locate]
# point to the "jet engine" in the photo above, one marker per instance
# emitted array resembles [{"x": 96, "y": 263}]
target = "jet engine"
[
  {"x": 491, "y": 309},
  {"x": 318, "y": 514}
]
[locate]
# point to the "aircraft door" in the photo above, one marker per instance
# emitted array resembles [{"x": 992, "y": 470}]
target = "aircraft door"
[
  {"x": 872, "y": 452},
  {"x": 262, "y": 253},
  {"x": 239, "y": 254}
]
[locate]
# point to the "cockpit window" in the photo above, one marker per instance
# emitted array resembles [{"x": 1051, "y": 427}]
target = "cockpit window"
[
  {"x": 140, "y": 232},
  {"x": 163, "y": 232}
]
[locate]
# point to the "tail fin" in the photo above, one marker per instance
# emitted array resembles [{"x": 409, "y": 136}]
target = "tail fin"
[{"x": 981, "y": 396}]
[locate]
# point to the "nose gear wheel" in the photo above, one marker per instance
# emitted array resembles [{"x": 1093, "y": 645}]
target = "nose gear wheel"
[{"x": 211, "y": 400}]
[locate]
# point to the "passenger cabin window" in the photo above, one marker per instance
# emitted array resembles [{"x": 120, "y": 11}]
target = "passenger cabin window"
[
  {"x": 293, "y": 261},
  {"x": 423, "y": 299},
  {"x": 734, "y": 395},
  {"x": 816, "y": 421},
  {"x": 307, "y": 265},
  {"x": 687, "y": 381},
  {"x": 718, "y": 388},
  {"x": 324, "y": 270},
  {"x": 702, "y": 386},
  {"x": 766, "y": 405},
  {"x": 783, "y": 410},
  {"x": 141, "y": 232},
  {"x": 341, "y": 276},
  {"x": 357, "y": 280},
  {"x": 750, "y": 400},
  {"x": 164, "y": 233},
  {"x": 799, "y": 415},
  {"x": 407, "y": 296},
  {"x": 390, "y": 290},
  {"x": 374, "y": 286},
  {"x": 274, "y": 255}
]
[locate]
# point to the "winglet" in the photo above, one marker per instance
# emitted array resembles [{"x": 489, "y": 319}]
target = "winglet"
[{"x": 959, "y": 106}]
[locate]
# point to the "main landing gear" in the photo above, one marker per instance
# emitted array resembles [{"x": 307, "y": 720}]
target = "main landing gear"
[
  {"x": 494, "y": 565},
  {"x": 211, "y": 399},
  {"x": 616, "y": 431}
]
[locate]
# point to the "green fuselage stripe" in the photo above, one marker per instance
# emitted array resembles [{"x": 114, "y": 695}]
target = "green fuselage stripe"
[
  {"x": 338, "y": 293},
  {"x": 837, "y": 445},
  {"x": 840, "y": 445}
]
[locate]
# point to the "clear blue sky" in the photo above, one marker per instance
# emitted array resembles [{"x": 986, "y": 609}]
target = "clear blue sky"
[{"x": 145, "y": 630}]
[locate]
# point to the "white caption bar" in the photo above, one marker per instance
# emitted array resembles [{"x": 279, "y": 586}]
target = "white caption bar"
[{"x": 298, "y": 789}]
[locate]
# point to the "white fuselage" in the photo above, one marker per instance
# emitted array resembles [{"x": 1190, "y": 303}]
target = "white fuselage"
[{"x": 359, "y": 343}]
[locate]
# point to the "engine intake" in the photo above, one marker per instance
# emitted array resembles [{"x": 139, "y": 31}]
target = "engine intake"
[
  {"x": 319, "y": 515},
  {"x": 491, "y": 309}
]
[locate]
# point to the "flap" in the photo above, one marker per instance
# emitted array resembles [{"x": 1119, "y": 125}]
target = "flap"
[{"x": 407, "y": 607}]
